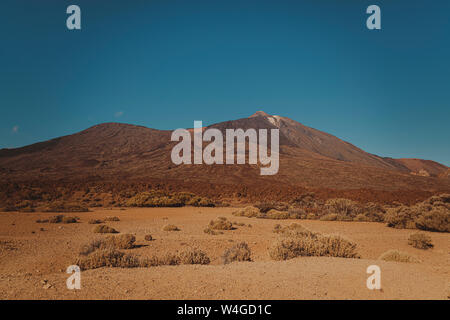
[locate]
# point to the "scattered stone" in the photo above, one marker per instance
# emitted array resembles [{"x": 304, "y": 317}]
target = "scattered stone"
[{"x": 47, "y": 286}]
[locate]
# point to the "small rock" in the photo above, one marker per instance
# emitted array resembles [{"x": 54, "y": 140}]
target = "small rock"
[{"x": 47, "y": 286}]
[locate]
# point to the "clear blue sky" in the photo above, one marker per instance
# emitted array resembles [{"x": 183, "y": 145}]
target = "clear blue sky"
[{"x": 164, "y": 64}]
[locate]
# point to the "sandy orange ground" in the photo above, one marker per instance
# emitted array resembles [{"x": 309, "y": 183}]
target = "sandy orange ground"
[{"x": 29, "y": 259}]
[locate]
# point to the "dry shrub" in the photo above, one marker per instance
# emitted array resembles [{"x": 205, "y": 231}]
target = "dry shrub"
[
  {"x": 442, "y": 200},
  {"x": 309, "y": 202},
  {"x": 95, "y": 221},
  {"x": 200, "y": 202},
  {"x": 312, "y": 244},
  {"x": 265, "y": 207},
  {"x": 277, "y": 228},
  {"x": 193, "y": 256},
  {"x": 168, "y": 259},
  {"x": 249, "y": 212},
  {"x": 292, "y": 230},
  {"x": 148, "y": 237},
  {"x": 432, "y": 214},
  {"x": 398, "y": 256},
  {"x": 337, "y": 246},
  {"x": 61, "y": 219},
  {"x": 373, "y": 212},
  {"x": 156, "y": 198},
  {"x": 56, "y": 219},
  {"x": 312, "y": 216},
  {"x": 401, "y": 217},
  {"x": 274, "y": 214},
  {"x": 153, "y": 199},
  {"x": 104, "y": 229},
  {"x": 170, "y": 227},
  {"x": 361, "y": 218},
  {"x": 187, "y": 256},
  {"x": 222, "y": 204},
  {"x": 220, "y": 224},
  {"x": 337, "y": 217},
  {"x": 438, "y": 219},
  {"x": 69, "y": 220},
  {"x": 9, "y": 208},
  {"x": 420, "y": 241},
  {"x": 112, "y": 219},
  {"x": 211, "y": 231},
  {"x": 345, "y": 209},
  {"x": 238, "y": 252},
  {"x": 91, "y": 247},
  {"x": 59, "y": 206},
  {"x": 107, "y": 258},
  {"x": 296, "y": 213},
  {"x": 123, "y": 241},
  {"x": 329, "y": 217}
]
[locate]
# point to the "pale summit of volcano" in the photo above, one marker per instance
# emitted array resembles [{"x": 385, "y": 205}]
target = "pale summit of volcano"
[{"x": 260, "y": 114}]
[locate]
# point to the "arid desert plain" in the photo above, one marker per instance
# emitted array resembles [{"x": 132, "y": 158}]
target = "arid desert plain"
[{"x": 34, "y": 258}]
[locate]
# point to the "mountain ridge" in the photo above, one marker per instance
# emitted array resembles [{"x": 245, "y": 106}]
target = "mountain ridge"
[{"x": 308, "y": 157}]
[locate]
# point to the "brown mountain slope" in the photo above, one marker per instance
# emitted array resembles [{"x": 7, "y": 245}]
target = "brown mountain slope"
[
  {"x": 123, "y": 153},
  {"x": 423, "y": 167},
  {"x": 323, "y": 143},
  {"x": 445, "y": 174}
]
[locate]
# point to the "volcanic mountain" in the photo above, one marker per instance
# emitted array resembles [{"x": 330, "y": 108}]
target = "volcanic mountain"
[{"x": 309, "y": 158}]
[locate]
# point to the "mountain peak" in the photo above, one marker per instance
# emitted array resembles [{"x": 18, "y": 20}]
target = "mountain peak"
[{"x": 260, "y": 114}]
